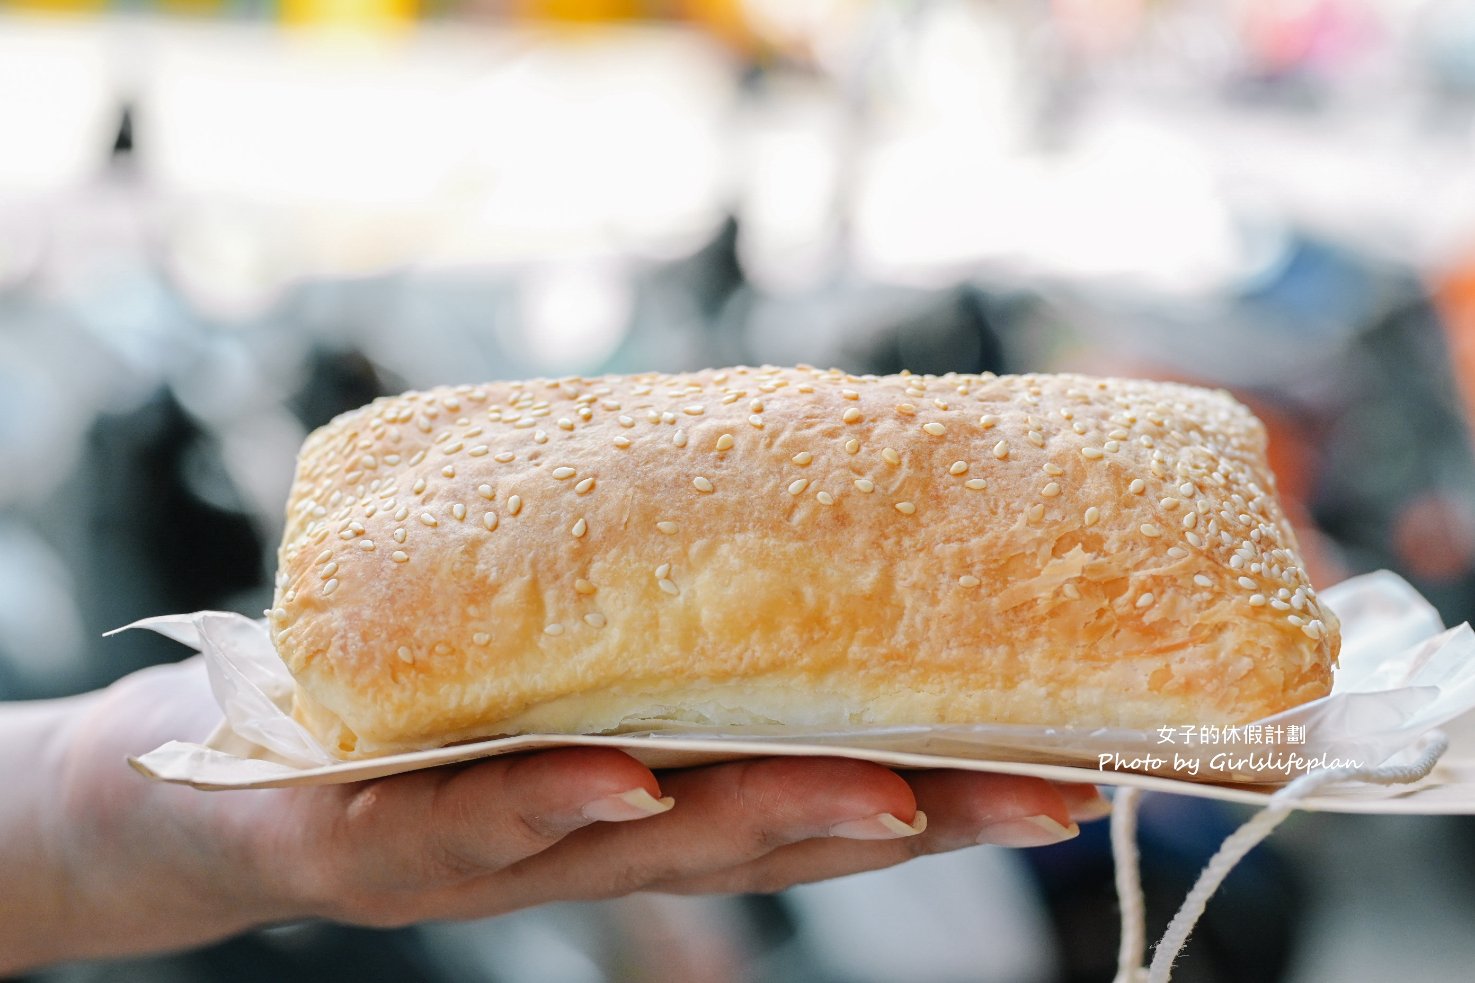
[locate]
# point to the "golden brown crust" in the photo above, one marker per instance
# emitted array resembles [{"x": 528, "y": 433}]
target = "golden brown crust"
[{"x": 790, "y": 545}]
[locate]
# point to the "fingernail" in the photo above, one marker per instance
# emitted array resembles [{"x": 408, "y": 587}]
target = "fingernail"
[
  {"x": 634, "y": 804},
  {"x": 1090, "y": 810},
  {"x": 1029, "y": 831},
  {"x": 882, "y": 826}
]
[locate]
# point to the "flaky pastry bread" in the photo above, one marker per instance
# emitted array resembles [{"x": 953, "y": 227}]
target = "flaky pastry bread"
[{"x": 793, "y": 546}]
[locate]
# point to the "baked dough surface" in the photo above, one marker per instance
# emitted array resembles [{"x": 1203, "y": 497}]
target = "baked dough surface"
[{"x": 799, "y": 546}]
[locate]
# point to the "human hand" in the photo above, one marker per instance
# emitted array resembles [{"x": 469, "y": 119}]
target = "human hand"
[{"x": 146, "y": 866}]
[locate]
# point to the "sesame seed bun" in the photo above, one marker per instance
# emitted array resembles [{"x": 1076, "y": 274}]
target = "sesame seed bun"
[{"x": 795, "y": 546}]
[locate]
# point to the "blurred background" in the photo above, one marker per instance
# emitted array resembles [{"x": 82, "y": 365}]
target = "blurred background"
[{"x": 224, "y": 221}]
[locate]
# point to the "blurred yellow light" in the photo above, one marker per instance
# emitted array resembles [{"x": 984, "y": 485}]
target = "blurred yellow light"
[
  {"x": 349, "y": 13},
  {"x": 57, "y": 6},
  {"x": 580, "y": 11}
]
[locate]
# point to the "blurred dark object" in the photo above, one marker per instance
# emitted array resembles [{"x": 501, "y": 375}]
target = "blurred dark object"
[{"x": 1262, "y": 899}]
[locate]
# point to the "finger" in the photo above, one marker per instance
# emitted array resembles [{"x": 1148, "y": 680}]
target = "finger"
[
  {"x": 427, "y": 828},
  {"x": 963, "y": 809},
  {"x": 1085, "y": 802},
  {"x": 726, "y": 815},
  {"x": 1005, "y": 811}
]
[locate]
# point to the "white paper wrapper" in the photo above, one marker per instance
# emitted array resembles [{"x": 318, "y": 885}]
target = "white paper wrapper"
[{"x": 1401, "y": 675}]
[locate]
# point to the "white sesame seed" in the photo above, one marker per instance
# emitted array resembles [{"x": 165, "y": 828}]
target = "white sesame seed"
[
  {"x": 851, "y": 415},
  {"x": 702, "y": 484},
  {"x": 1051, "y": 490},
  {"x": 1257, "y": 600},
  {"x": 890, "y": 456},
  {"x": 756, "y": 406},
  {"x": 1186, "y": 489},
  {"x": 562, "y": 473},
  {"x": 905, "y": 508},
  {"x": 1247, "y": 583},
  {"x": 668, "y": 417},
  {"x": 459, "y": 511},
  {"x": 595, "y": 620},
  {"x": 554, "y": 629},
  {"x": 1092, "y": 516},
  {"x": 852, "y": 446},
  {"x": 514, "y": 504},
  {"x": 967, "y": 580},
  {"x": 934, "y": 428},
  {"x": 1177, "y": 552},
  {"x": 1279, "y": 605},
  {"x": 328, "y": 571},
  {"x": 865, "y": 485},
  {"x": 366, "y": 544},
  {"x": 668, "y": 586},
  {"x": 802, "y": 458},
  {"x": 693, "y": 410},
  {"x": 906, "y": 409},
  {"x": 480, "y": 638},
  {"x": 1150, "y": 529},
  {"x": 324, "y": 557},
  {"x": 1036, "y": 438},
  {"x": 583, "y": 586},
  {"x": 419, "y": 486},
  {"x": 584, "y": 487},
  {"x": 399, "y": 556},
  {"x": 988, "y": 420},
  {"x": 448, "y": 471},
  {"x": 663, "y": 571},
  {"x": 429, "y": 519},
  {"x": 489, "y": 519},
  {"x": 667, "y": 527},
  {"x": 1036, "y": 512},
  {"x": 1091, "y": 453},
  {"x": 1137, "y": 487},
  {"x": 1145, "y": 600},
  {"x": 958, "y": 467},
  {"x": 1237, "y": 561},
  {"x": 849, "y": 394},
  {"x": 1194, "y": 540},
  {"x": 756, "y": 421},
  {"x": 580, "y": 527},
  {"x": 622, "y": 441},
  {"x": 399, "y": 535},
  {"x": 1052, "y": 469},
  {"x": 825, "y": 498},
  {"x": 405, "y": 655},
  {"x": 1001, "y": 450},
  {"x": 975, "y": 484},
  {"x": 1202, "y": 581}
]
